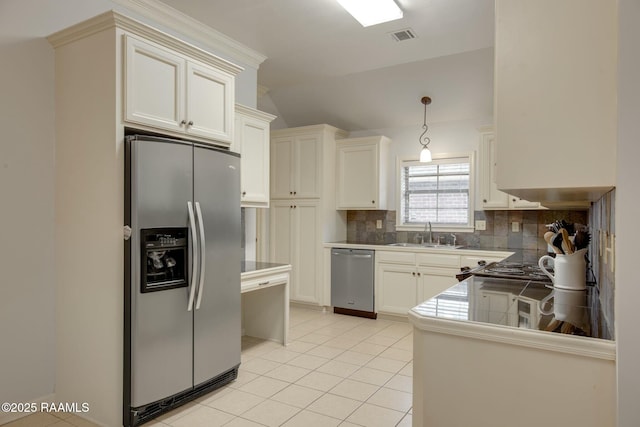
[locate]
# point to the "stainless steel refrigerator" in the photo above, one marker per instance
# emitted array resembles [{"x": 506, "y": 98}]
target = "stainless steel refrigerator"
[{"x": 182, "y": 273}]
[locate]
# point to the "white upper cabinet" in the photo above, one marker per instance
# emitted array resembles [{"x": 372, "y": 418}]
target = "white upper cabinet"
[
  {"x": 555, "y": 98},
  {"x": 296, "y": 162},
  {"x": 168, "y": 91},
  {"x": 491, "y": 197},
  {"x": 251, "y": 140},
  {"x": 361, "y": 168}
]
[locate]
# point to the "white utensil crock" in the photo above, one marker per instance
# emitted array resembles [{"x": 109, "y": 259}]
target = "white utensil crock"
[{"x": 570, "y": 270}]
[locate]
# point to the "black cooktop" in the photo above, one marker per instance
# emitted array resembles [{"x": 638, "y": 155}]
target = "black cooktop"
[{"x": 513, "y": 270}]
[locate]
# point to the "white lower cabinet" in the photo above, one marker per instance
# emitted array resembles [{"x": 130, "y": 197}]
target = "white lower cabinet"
[
  {"x": 295, "y": 240},
  {"x": 405, "y": 279},
  {"x": 434, "y": 280},
  {"x": 397, "y": 288}
]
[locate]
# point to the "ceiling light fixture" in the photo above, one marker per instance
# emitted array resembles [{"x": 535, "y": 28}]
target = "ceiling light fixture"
[
  {"x": 372, "y": 12},
  {"x": 425, "y": 154}
]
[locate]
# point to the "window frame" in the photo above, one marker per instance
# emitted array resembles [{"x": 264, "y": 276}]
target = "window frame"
[{"x": 469, "y": 226}]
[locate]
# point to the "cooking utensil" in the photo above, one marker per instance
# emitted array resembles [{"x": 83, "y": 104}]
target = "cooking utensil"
[
  {"x": 548, "y": 237},
  {"x": 567, "y": 246},
  {"x": 556, "y": 226},
  {"x": 581, "y": 239},
  {"x": 557, "y": 242}
]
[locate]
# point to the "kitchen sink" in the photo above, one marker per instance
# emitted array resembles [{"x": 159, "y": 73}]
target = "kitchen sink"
[{"x": 424, "y": 245}]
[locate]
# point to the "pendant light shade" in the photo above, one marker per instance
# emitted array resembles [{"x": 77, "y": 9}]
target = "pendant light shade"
[{"x": 425, "y": 154}]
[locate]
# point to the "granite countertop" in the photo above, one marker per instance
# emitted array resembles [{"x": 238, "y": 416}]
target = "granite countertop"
[
  {"x": 251, "y": 266},
  {"x": 516, "y": 303}
]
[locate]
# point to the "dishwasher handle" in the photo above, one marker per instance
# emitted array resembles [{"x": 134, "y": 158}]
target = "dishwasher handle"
[{"x": 354, "y": 253}]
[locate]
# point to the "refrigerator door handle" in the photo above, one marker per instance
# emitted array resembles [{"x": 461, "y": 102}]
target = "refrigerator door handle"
[
  {"x": 202, "y": 255},
  {"x": 194, "y": 256}
]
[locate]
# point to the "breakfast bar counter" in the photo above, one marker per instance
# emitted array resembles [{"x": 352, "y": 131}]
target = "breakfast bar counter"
[{"x": 547, "y": 360}]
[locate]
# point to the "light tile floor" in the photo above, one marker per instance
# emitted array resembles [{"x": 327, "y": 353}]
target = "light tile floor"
[{"x": 336, "y": 371}]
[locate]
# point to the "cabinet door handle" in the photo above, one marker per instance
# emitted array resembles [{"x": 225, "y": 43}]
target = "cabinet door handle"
[
  {"x": 291, "y": 193},
  {"x": 413, "y": 274},
  {"x": 190, "y": 123},
  {"x": 263, "y": 283},
  {"x": 484, "y": 200},
  {"x": 373, "y": 201},
  {"x": 244, "y": 193},
  {"x": 182, "y": 123},
  {"x": 419, "y": 274},
  {"x": 295, "y": 192}
]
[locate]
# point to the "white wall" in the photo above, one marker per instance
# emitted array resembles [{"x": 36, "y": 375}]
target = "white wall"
[
  {"x": 446, "y": 138},
  {"x": 627, "y": 208},
  {"x": 27, "y": 218},
  {"x": 29, "y": 370}
]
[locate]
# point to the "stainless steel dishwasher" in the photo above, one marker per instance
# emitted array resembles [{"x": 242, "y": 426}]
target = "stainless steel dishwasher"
[{"x": 352, "y": 272}]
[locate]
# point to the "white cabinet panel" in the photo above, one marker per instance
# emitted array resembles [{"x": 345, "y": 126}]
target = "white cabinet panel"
[
  {"x": 169, "y": 91},
  {"x": 491, "y": 197},
  {"x": 210, "y": 101},
  {"x": 405, "y": 279},
  {"x": 397, "y": 288},
  {"x": 282, "y": 167},
  {"x": 154, "y": 85},
  {"x": 432, "y": 281},
  {"x": 307, "y": 251},
  {"x": 361, "y": 168},
  {"x": 295, "y": 241},
  {"x": 555, "y": 98},
  {"x": 251, "y": 140},
  {"x": 307, "y": 166},
  {"x": 302, "y": 180}
]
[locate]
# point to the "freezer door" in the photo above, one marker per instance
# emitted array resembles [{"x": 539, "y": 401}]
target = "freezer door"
[
  {"x": 217, "y": 319},
  {"x": 160, "y": 325}
]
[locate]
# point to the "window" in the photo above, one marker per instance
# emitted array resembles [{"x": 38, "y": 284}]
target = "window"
[{"x": 439, "y": 192}]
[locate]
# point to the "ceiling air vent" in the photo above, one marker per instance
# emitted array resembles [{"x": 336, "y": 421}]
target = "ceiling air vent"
[{"x": 402, "y": 35}]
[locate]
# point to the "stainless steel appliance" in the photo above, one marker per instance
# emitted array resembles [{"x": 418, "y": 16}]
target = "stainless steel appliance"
[
  {"x": 182, "y": 273},
  {"x": 352, "y": 282}
]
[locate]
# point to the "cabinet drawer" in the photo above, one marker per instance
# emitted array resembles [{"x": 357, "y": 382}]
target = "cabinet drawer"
[
  {"x": 438, "y": 260},
  {"x": 396, "y": 257}
]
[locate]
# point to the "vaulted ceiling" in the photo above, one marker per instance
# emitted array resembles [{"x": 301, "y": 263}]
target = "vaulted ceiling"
[{"x": 323, "y": 67}]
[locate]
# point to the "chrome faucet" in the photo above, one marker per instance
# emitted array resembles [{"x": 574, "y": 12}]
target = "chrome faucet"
[{"x": 427, "y": 225}]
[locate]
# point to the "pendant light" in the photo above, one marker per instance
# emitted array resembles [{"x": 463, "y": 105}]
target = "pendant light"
[{"x": 425, "y": 154}]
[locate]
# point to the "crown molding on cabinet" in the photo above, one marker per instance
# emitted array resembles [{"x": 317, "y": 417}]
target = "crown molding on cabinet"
[
  {"x": 339, "y": 133},
  {"x": 188, "y": 26},
  {"x": 252, "y": 112},
  {"x": 112, "y": 19}
]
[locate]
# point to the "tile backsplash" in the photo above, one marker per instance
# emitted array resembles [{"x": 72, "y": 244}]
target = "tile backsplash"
[
  {"x": 603, "y": 231},
  {"x": 361, "y": 228}
]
